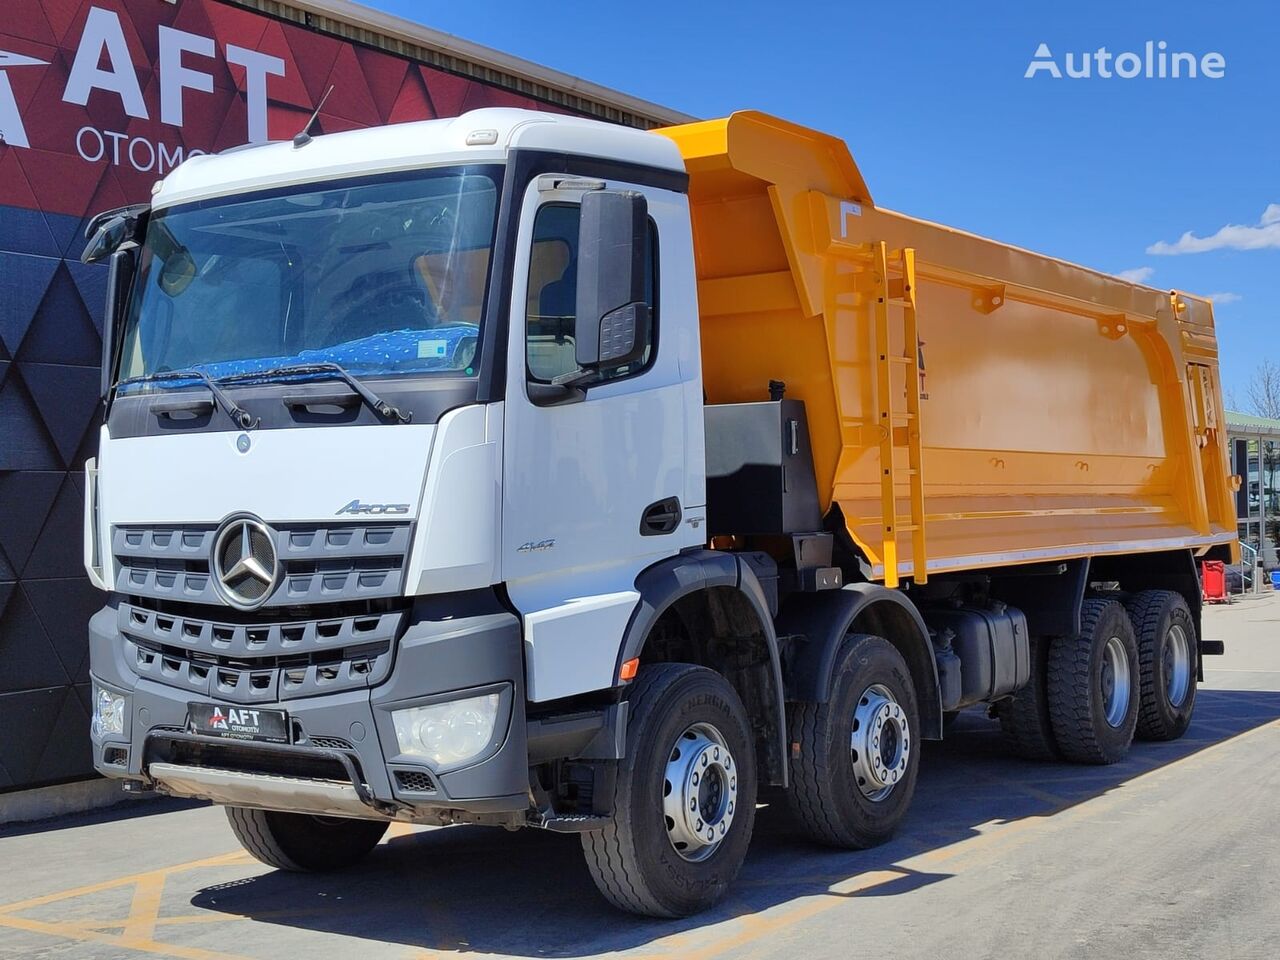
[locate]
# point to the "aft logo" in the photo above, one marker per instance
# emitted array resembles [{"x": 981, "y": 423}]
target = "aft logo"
[
  {"x": 12, "y": 132},
  {"x": 239, "y": 719}
]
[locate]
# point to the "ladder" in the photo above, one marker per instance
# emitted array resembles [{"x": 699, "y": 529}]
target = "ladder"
[{"x": 898, "y": 426}]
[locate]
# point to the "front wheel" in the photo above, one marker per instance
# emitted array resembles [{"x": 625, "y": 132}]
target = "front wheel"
[
  {"x": 684, "y": 800},
  {"x": 855, "y": 772},
  {"x": 302, "y": 842}
]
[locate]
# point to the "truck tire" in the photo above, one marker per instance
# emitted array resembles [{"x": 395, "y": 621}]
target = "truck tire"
[
  {"x": 1024, "y": 718},
  {"x": 1166, "y": 661},
  {"x": 301, "y": 842},
  {"x": 1093, "y": 685},
  {"x": 684, "y": 800},
  {"x": 855, "y": 758}
]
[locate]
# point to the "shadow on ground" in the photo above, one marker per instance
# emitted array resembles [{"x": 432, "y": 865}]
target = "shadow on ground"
[
  {"x": 127, "y": 809},
  {"x": 482, "y": 890}
]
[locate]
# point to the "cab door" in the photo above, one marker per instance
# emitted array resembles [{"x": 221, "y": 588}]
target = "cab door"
[{"x": 594, "y": 485}]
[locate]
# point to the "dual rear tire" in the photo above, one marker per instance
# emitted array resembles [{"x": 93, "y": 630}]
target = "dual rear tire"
[{"x": 1131, "y": 671}]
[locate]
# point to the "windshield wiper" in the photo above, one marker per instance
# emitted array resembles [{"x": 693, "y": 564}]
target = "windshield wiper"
[
  {"x": 238, "y": 414},
  {"x": 333, "y": 371}
]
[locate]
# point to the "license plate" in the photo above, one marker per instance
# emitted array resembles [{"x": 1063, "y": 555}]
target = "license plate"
[{"x": 238, "y": 723}]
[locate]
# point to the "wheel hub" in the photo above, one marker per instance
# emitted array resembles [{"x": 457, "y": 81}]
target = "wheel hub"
[
  {"x": 699, "y": 792},
  {"x": 1176, "y": 658},
  {"x": 880, "y": 744},
  {"x": 1115, "y": 681}
]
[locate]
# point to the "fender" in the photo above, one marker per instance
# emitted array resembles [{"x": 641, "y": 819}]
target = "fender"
[
  {"x": 821, "y": 621},
  {"x": 695, "y": 571}
]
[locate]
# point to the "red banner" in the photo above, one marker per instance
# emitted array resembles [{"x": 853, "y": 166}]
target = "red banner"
[{"x": 101, "y": 98}]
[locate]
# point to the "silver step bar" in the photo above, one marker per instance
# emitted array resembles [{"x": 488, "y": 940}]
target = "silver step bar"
[{"x": 236, "y": 788}]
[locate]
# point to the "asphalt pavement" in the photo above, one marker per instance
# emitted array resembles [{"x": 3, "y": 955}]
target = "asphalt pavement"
[{"x": 1173, "y": 853}]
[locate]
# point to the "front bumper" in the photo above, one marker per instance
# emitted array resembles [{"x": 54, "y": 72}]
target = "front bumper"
[{"x": 344, "y": 759}]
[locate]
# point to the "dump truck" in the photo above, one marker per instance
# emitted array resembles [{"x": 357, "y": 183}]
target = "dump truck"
[{"x": 525, "y": 470}]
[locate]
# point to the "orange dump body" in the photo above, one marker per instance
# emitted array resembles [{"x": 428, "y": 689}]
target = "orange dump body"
[{"x": 969, "y": 403}]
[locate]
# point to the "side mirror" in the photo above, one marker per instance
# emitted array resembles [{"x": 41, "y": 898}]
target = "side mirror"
[
  {"x": 109, "y": 231},
  {"x": 612, "y": 326},
  {"x": 119, "y": 281}
]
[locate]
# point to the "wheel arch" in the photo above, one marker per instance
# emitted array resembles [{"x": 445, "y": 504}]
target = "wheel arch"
[
  {"x": 709, "y": 607},
  {"x": 821, "y": 621}
]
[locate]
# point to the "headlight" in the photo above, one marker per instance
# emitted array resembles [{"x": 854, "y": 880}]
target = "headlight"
[
  {"x": 108, "y": 712},
  {"x": 447, "y": 733}
]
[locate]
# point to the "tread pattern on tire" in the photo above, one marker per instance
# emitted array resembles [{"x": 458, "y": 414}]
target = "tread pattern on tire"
[
  {"x": 808, "y": 772},
  {"x": 605, "y": 854},
  {"x": 1069, "y": 657},
  {"x": 1024, "y": 718},
  {"x": 250, "y": 828},
  {"x": 1145, "y": 610}
]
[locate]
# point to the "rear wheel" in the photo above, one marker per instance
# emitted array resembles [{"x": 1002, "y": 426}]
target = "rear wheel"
[
  {"x": 685, "y": 796},
  {"x": 1093, "y": 685},
  {"x": 1166, "y": 637},
  {"x": 854, "y": 776},
  {"x": 301, "y": 842},
  {"x": 1024, "y": 718}
]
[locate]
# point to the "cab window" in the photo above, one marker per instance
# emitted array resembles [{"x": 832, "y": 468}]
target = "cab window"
[{"x": 552, "y": 297}]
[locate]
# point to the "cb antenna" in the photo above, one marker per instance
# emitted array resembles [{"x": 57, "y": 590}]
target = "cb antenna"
[{"x": 303, "y": 136}]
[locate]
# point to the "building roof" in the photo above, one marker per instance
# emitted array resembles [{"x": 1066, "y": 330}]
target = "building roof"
[
  {"x": 1243, "y": 423},
  {"x": 354, "y": 21}
]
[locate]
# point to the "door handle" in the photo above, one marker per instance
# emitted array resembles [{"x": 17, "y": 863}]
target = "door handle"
[{"x": 660, "y": 518}]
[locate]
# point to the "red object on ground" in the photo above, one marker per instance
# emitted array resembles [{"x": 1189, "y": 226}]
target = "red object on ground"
[{"x": 1213, "y": 581}]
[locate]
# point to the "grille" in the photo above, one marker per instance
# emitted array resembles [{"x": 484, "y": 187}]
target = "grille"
[
  {"x": 415, "y": 781},
  {"x": 318, "y": 563},
  {"x": 259, "y": 662}
]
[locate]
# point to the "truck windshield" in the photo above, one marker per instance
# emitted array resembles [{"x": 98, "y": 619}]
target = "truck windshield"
[{"x": 383, "y": 276}]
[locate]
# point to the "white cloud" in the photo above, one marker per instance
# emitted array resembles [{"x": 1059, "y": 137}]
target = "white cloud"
[
  {"x": 1137, "y": 274},
  {"x": 1264, "y": 234},
  {"x": 1222, "y": 299}
]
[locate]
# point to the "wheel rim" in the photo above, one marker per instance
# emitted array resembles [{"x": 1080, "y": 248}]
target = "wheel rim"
[
  {"x": 1177, "y": 665},
  {"x": 1115, "y": 681},
  {"x": 881, "y": 742},
  {"x": 699, "y": 792}
]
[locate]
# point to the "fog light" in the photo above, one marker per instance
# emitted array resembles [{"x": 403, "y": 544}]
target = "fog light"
[
  {"x": 447, "y": 733},
  {"x": 108, "y": 712}
]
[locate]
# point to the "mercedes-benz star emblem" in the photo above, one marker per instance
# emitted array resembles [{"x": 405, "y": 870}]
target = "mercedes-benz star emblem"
[{"x": 244, "y": 562}]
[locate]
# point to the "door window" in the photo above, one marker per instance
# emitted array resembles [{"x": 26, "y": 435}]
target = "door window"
[{"x": 552, "y": 297}]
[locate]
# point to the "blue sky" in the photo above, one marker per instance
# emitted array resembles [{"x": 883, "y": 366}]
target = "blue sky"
[{"x": 932, "y": 100}]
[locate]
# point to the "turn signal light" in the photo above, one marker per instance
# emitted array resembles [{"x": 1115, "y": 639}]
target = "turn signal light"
[{"x": 629, "y": 668}]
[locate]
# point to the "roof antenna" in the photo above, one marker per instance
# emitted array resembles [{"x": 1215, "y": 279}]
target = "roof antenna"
[{"x": 303, "y": 136}]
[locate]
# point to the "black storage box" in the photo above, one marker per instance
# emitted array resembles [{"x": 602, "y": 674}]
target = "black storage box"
[{"x": 760, "y": 469}]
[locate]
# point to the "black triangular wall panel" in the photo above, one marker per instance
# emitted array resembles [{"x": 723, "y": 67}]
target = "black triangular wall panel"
[
  {"x": 26, "y": 497},
  {"x": 27, "y": 657},
  {"x": 68, "y": 750},
  {"x": 91, "y": 284},
  {"x": 24, "y": 442},
  {"x": 26, "y": 231},
  {"x": 23, "y": 283},
  {"x": 64, "y": 607},
  {"x": 7, "y": 569},
  {"x": 62, "y": 330},
  {"x": 59, "y": 548},
  {"x": 27, "y": 720},
  {"x": 65, "y": 397}
]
